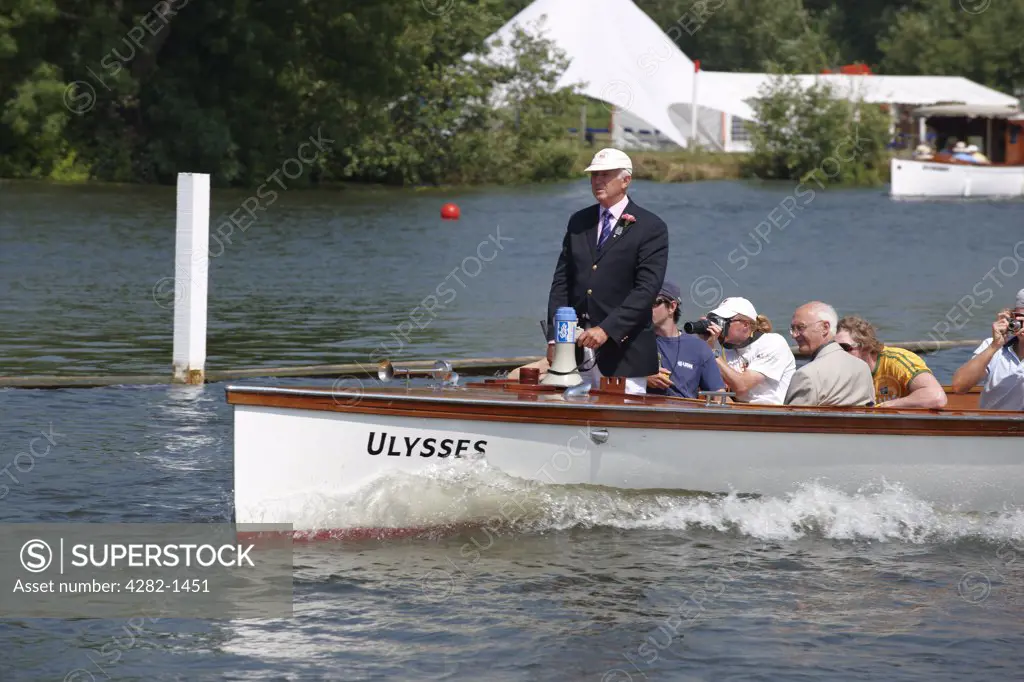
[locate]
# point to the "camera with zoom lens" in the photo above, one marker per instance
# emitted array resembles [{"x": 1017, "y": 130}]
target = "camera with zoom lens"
[
  {"x": 1013, "y": 326},
  {"x": 702, "y": 326}
]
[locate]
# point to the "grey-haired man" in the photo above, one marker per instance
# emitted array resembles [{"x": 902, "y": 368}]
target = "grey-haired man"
[{"x": 612, "y": 264}]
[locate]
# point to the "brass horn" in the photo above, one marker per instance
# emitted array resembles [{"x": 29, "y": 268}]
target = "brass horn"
[{"x": 441, "y": 371}]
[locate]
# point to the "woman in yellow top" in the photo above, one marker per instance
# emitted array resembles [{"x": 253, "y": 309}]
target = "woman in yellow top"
[
  {"x": 973, "y": 150},
  {"x": 901, "y": 377}
]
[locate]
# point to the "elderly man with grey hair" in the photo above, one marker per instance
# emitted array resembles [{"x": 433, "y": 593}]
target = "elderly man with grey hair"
[
  {"x": 833, "y": 376},
  {"x": 610, "y": 269}
]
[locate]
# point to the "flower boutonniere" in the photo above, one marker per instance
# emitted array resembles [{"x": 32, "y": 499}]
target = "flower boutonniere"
[{"x": 625, "y": 221}]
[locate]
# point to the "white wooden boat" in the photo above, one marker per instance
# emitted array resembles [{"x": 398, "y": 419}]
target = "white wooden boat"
[
  {"x": 912, "y": 178},
  {"x": 293, "y": 444},
  {"x": 1000, "y": 131}
]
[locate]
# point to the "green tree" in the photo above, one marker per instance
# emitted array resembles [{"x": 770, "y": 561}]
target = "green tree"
[
  {"x": 33, "y": 117},
  {"x": 856, "y": 26},
  {"x": 972, "y": 38},
  {"x": 810, "y": 131},
  {"x": 745, "y": 35},
  {"x": 485, "y": 119},
  {"x": 139, "y": 91}
]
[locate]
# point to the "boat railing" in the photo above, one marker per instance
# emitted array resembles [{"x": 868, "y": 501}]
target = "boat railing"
[{"x": 710, "y": 396}]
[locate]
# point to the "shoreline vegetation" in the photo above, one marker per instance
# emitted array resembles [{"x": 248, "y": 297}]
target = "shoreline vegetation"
[
  {"x": 402, "y": 93},
  {"x": 664, "y": 166}
]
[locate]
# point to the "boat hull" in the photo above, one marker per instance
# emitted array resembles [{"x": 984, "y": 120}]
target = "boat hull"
[
  {"x": 911, "y": 178},
  {"x": 284, "y": 455}
]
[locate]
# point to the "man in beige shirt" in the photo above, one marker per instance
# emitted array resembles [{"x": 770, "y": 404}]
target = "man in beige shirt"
[{"x": 833, "y": 376}]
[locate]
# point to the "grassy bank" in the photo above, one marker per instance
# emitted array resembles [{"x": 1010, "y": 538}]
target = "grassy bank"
[
  {"x": 677, "y": 165},
  {"x": 661, "y": 166},
  {"x": 693, "y": 166},
  {"x": 687, "y": 166}
]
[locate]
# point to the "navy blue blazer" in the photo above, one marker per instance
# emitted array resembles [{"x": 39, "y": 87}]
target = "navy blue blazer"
[{"x": 615, "y": 288}]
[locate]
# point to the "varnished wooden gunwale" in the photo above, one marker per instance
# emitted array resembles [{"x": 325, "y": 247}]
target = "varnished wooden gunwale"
[
  {"x": 963, "y": 401},
  {"x": 508, "y": 404}
]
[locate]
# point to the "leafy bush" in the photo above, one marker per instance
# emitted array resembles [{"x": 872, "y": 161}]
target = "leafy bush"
[
  {"x": 482, "y": 120},
  {"x": 810, "y": 133}
]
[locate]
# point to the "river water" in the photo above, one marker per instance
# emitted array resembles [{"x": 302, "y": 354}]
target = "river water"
[{"x": 583, "y": 584}]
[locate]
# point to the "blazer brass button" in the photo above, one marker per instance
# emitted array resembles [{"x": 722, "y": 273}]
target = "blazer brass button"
[
  {"x": 595, "y": 267},
  {"x": 589, "y": 292}
]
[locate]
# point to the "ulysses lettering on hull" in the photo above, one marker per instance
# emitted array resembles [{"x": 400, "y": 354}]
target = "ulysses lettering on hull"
[{"x": 398, "y": 446}]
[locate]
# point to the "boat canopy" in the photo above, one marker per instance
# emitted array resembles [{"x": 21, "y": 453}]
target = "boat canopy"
[
  {"x": 617, "y": 54},
  {"x": 971, "y": 111}
]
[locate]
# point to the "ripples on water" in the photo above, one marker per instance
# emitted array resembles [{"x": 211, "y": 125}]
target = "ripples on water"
[
  {"x": 576, "y": 583},
  {"x": 329, "y": 276},
  {"x": 583, "y": 584}
]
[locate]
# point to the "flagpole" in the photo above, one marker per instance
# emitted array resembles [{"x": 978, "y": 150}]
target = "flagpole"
[{"x": 693, "y": 105}]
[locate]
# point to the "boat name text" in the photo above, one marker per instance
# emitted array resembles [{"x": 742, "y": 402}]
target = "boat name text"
[{"x": 424, "y": 447}]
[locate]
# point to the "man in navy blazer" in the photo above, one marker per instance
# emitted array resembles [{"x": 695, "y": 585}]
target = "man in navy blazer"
[{"x": 612, "y": 265}]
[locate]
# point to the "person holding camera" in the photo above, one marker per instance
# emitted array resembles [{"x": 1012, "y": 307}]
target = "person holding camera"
[
  {"x": 687, "y": 364},
  {"x": 997, "y": 362},
  {"x": 756, "y": 363}
]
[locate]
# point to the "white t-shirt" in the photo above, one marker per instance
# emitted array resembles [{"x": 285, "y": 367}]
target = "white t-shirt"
[
  {"x": 770, "y": 355},
  {"x": 1003, "y": 386}
]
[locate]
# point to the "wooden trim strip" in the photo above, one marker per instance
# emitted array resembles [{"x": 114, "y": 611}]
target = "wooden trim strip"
[{"x": 606, "y": 413}]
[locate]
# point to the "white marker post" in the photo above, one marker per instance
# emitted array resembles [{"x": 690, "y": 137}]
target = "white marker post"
[
  {"x": 693, "y": 106},
  {"x": 191, "y": 269}
]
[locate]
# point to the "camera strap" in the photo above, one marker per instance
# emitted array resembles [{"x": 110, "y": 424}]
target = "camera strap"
[{"x": 743, "y": 344}]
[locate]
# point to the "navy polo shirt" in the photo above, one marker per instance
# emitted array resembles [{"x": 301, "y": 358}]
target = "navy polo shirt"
[{"x": 692, "y": 364}]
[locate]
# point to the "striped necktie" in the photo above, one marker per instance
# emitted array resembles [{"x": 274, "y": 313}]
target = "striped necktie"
[{"x": 606, "y": 228}]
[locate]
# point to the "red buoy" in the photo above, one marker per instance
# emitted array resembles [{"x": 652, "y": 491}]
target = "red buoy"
[{"x": 450, "y": 212}]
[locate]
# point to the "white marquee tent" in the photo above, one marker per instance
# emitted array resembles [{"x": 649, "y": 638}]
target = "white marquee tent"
[{"x": 625, "y": 59}]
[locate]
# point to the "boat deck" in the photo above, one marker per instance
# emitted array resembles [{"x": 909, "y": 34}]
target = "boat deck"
[
  {"x": 511, "y": 401},
  {"x": 507, "y": 391}
]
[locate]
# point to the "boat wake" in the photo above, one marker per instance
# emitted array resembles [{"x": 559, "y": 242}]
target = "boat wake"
[{"x": 476, "y": 495}]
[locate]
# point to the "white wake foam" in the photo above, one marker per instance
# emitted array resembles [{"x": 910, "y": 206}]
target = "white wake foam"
[{"x": 477, "y": 494}]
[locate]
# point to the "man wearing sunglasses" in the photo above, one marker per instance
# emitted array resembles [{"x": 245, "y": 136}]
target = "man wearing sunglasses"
[
  {"x": 997, "y": 363},
  {"x": 901, "y": 377},
  {"x": 687, "y": 363},
  {"x": 833, "y": 376}
]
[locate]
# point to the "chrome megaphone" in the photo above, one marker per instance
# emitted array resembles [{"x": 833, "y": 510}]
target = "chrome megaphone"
[{"x": 563, "y": 371}]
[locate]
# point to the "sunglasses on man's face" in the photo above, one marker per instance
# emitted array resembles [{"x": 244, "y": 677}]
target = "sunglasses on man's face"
[
  {"x": 848, "y": 347},
  {"x": 661, "y": 301}
]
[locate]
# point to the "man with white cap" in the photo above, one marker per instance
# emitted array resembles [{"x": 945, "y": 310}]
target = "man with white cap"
[
  {"x": 756, "y": 363},
  {"x": 997, "y": 363},
  {"x": 610, "y": 269}
]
